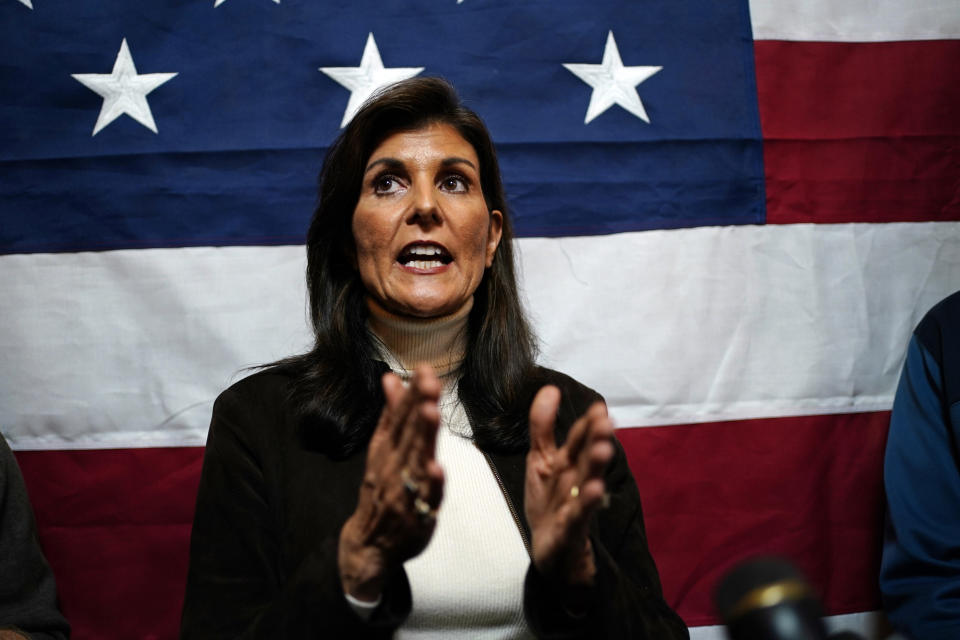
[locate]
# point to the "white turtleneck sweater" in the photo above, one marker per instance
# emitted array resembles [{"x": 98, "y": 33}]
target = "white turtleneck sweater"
[{"x": 468, "y": 582}]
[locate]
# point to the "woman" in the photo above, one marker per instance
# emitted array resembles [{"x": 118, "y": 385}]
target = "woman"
[{"x": 403, "y": 478}]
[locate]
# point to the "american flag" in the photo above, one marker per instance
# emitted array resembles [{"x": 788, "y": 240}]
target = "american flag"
[{"x": 731, "y": 214}]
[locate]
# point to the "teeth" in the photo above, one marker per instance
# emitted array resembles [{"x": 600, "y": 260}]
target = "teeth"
[
  {"x": 425, "y": 251},
  {"x": 425, "y": 264}
]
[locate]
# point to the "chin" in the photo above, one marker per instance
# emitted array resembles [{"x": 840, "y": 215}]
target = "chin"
[
  {"x": 428, "y": 308},
  {"x": 427, "y": 312}
]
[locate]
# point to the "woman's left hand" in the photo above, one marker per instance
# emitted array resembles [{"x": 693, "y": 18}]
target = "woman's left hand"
[{"x": 564, "y": 487}]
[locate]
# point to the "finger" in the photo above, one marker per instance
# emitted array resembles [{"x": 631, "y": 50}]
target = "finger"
[
  {"x": 583, "y": 502},
  {"x": 577, "y": 438},
  {"x": 385, "y": 434},
  {"x": 427, "y": 424},
  {"x": 597, "y": 458},
  {"x": 406, "y": 428},
  {"x": 426, "y": 382},
  {"x": 393, "y": 388},
  {"x": 398, "y": 404},
  {"x": 595, "y": 446},
  {"x": 543, "y": 417},
  {"x": 594, "y": 457},
  {"x": 422, "y": 421},
  {"x": 424, "y": 428},
  {"x": 586, "y": 504},
  {"x": 426, "y": 504},
  {"x": 435, "y": 483}
]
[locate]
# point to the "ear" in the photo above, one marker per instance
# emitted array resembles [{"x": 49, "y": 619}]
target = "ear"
[{"x": 494, "y": 233}]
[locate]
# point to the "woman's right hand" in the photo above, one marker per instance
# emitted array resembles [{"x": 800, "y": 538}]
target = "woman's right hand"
[{"x": 402, "y": 488}]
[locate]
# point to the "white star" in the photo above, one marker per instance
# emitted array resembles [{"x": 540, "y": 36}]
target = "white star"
[
  {"x": 220, "y": 2},
  {"x": 365, "y": 80},
  {"x": 123, "y": 91},
  {"x": 30, "y": 4},
  {"x": 613, "y": 83}
]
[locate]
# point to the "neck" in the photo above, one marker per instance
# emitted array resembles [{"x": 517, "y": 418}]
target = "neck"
[{"x": 407, "y": 341}]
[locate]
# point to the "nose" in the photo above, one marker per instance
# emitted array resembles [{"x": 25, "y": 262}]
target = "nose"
[{"x": 425, "y": 209}]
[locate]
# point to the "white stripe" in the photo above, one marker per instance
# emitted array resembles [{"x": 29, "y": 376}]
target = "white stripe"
[
  {"x": 872, "y": 625},
  {"x": 722, "y": 323},
  {"x": 129, "y": 348},
  {"x": 855, "y": 20}
]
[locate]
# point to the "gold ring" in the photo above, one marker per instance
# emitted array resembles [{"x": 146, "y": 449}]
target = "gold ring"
[
  {"x": 574, "y": 491},
  {"x": 424, "y": 510},
  {"x": 411, "y": 485}
]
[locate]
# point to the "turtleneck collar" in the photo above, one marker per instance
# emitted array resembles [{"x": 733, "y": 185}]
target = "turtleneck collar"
[{"x": 406, "y": 342}]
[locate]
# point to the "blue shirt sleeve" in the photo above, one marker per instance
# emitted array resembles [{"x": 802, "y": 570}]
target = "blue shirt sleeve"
[{"x": 920, "y": 569}]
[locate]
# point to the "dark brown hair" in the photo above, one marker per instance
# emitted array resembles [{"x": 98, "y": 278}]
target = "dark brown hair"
[{"x": 336, "y": 385}]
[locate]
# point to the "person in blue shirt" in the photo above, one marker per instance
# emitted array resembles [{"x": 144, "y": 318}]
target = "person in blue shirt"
[{"x": 920, "y": 570}]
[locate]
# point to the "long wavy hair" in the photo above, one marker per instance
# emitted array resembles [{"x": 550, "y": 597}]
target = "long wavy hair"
[{"x": 336, "y": 385}]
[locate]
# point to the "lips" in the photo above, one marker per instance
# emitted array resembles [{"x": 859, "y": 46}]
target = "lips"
[{"x": 424, "y": 255}]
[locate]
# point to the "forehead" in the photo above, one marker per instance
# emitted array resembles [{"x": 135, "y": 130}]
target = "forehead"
[{"x": 432, "y": 143}]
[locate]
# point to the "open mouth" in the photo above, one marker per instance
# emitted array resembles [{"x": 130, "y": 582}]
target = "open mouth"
[{"x": 424, "y": 255}]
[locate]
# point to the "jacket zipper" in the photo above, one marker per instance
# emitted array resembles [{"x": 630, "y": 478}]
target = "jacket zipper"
[{"x": 506, "y": 496}]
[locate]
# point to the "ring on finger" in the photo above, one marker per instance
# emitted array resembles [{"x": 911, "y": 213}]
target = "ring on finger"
[
  {"x": 424, "y": 510},
  {"x": 575, "y": 491},
  {"x": 411, "y": 485}
]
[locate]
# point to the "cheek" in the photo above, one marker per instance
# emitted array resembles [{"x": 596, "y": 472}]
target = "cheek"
[
  {"x": 478, "y": 243},
  {"x": 372, "y": 259},
  {"x": 370, "y": 241}
]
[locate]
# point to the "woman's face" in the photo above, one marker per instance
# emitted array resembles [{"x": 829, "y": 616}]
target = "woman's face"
[{"x": 422, "y": 230}]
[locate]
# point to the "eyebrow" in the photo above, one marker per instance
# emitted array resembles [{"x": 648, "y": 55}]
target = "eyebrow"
[{"x": 394, "y": 163}]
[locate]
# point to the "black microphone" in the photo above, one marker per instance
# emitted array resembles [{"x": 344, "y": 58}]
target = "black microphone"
[{"x": 767, "y": 598}]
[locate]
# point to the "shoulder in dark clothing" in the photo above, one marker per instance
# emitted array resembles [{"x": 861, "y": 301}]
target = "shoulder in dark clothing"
[
  {"x": 28, "y": 594},
  {"x": 939, "y": 334}
]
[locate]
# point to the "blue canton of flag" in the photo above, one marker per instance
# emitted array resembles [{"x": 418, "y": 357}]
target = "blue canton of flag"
[{"x": 245, "y": 96}]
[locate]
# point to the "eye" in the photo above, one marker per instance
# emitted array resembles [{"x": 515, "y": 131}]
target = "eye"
[
  {"x": 455, "y": 184},
  {"x": 386, "y": 183}
]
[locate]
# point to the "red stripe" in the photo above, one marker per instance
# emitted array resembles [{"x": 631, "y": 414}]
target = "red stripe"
[
  {"x": 860, "y": 132},
  {"x": 807, "y": 488},
  {"x": 115, "y": 526}
]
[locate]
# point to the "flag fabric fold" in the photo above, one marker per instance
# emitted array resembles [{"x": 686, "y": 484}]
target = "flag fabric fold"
[{"x": 731, "y": 216}]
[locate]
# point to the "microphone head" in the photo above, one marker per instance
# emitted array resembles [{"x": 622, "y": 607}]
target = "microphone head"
[{"x": 767, "y": 598}]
